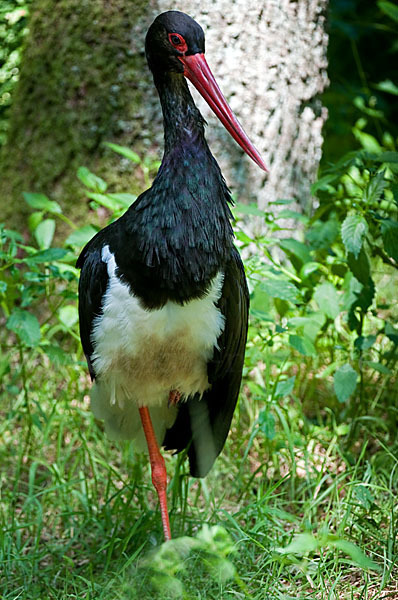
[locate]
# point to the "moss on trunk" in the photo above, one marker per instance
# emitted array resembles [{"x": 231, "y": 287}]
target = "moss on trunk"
[{"x": 79, "y": 85}]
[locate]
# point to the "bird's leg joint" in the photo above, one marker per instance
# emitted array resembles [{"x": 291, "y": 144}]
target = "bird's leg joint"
[{"x": 174, "y": 398}]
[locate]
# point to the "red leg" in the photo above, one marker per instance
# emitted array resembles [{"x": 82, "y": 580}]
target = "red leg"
[{"x": 159, "y": 474}]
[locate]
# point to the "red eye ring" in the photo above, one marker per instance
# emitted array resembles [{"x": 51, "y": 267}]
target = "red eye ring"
[{"x": 178, "y": 42}]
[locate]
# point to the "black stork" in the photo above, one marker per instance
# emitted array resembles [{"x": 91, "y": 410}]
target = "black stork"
[{"x": 163, "y": 299}]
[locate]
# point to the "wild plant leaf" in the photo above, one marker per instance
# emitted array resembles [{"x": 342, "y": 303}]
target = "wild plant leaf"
[
  {"x": 366, "y": 296},
  {"x": 345, "y": 382},
  {"x": 41, "y": 202},
  {"x": 57, "y": 355},
  {"x": 249, "y": 209},
  {"x": 91, "y": 180},
  {"x": 375, "y": 188},
  {"x": 309, "y": 326},
  {"x": 301, "y": 544},
  {"x": 389, "y": 233},
  {"x": 296, "y": 249},
  {"x": 49, "y": 255},
  {"x": 104, "y": 200},
  {"x": 124, "y": 151},
  {"x": 266, "y": 423},
  {"x": 387, "y": 86},
  {"x": 394, "y": 189},
  {"x": 364, "y": 342},
  {"x": 364, "y": 496},
  {"x": 326, "y": 297},
  {"x": 34, "y": 219},
  {"x": 322, "y": 234},
  {"x": 367, "y": 141},
  {"x": 359, "y": 266},
  {"x": 285, "y": 387},
  {"x": 323, "y": 183},
  {"x": 391, "y": 333},
  {"x": 379, "y": 367},
  {"x": 353, "y": 230},
  {"x": 387, "y": 157},
  {"x": 68, "y": 315},
  {"x": 287, "y": 213},
  {"x": 302, "y": 344},
  {"x": 308, "y": 268},
  {"x": 44, "y": 233},
  {"x": 279, "y": 288},
  {"x": 124, "y": 199},
  {"x": 356, "y": 554},
  {"x": 25, "y": 326},
  {"x": 81, "y": 236},
  {"x": 389, "y": 9}
]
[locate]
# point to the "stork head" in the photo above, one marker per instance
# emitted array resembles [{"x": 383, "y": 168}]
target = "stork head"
[{"x": 175, "y": 43}]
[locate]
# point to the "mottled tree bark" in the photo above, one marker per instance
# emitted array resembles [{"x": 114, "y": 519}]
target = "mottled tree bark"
[{"x": 84, "y": 81}]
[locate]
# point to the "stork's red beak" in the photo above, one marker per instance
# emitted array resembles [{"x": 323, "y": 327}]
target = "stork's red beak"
[{"x": 198, "y": 72}]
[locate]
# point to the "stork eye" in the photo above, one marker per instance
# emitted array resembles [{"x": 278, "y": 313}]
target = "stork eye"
[{"x": 178, "y": 42}]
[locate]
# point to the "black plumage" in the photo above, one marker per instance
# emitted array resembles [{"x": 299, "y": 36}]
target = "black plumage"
[{"x": 175, "y": 240}]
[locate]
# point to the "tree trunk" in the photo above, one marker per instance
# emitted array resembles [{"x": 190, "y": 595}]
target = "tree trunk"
[{"x": 84, "y": 81}]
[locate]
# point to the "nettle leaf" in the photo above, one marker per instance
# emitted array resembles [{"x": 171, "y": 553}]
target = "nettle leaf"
[
  {"x": 345, "y": 382},
  {"x": 375, "y": 188},
  {"x": 91, "y": 180},
  {"x": 41, "y": 202},
  {"x": 389, "y": 233},
  {"x": 25, "y": 326},
  {"x": 326, "y": 297},
  {"x": 279, "y": 288},
  {"x": 353, "y": 230},
  {"x": 44, "y": 233}
]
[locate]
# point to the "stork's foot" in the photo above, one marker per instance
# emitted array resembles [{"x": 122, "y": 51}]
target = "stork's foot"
[{"x": 174, "y": 398}]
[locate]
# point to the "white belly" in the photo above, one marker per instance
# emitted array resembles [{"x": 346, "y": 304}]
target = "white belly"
[{"x": 140, "y": 356}]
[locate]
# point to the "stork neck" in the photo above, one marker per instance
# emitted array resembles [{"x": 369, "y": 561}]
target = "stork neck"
[{"x": 183, "y": 123}]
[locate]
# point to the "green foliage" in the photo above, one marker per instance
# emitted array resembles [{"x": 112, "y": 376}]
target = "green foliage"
[
  {"x": 13, "y": 28},
  {"x": 300, "y": 494},
  {"x": 363, "y": 70}
]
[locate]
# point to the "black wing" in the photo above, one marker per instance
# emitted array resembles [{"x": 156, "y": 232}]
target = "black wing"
[
  {"x": 92, "y": 286},
  {"x": 203, "y": 424}
]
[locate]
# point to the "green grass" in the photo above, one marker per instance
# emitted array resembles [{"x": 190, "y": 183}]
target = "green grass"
[
  {"x": 79, "y": 518},
  {"x": 301, "y": 504}
]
